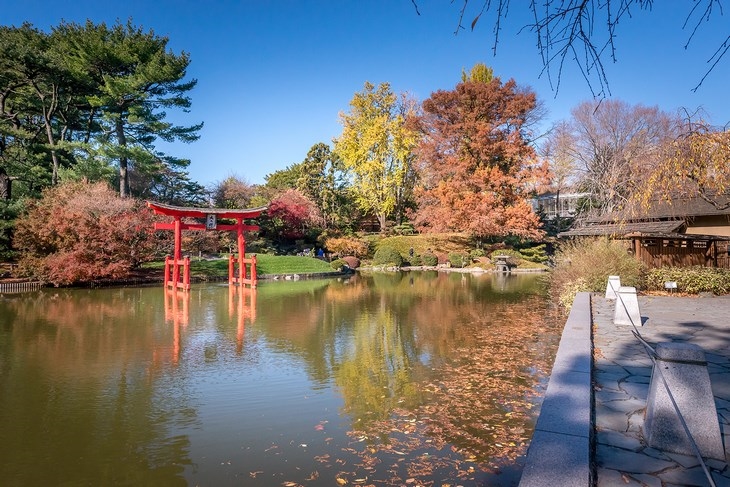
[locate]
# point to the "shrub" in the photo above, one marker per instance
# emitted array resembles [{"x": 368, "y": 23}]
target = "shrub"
[
  {"x": 692, "y": 280},
  {"x": 430, "y": 259},
  {"x": 415, "y": 260},
  {"x": 458, "y": 259},
  {"x": 290, "y": 216},
  {"x": 404, "y": 229},
  {"x": 338, "y": 264},
  {"x": 535, "y": 254},
  {"x": 568, "y": 293},
  {"x": 80, "y": 232},
  {"x": 585, "y": 264},
  {"x": 476, "y": 253},
  {"x": 387, "y": 256},
  {"x": 347, "y": 246},
  {"x": 352, "y": 262}
]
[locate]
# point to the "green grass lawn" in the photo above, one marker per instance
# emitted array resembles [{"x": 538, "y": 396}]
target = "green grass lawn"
[{"x": 265, "y": 264}]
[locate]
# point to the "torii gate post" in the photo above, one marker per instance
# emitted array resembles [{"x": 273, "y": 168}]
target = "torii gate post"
[
  {"x": 241, "y": 260},
  {"x": 210, "y": 215}
]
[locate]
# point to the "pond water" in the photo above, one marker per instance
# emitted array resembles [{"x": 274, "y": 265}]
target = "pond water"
[{"x": 428, "y": 379}]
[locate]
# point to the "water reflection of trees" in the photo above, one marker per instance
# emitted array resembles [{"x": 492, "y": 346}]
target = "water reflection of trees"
[
  {"x": 422, "y": 362},
  {"x": 450, "y": 358},
  {"x": 75, "y": 358}
]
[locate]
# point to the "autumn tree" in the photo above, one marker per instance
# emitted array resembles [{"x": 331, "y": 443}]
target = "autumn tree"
[
  {"x": 477, "y": 165},
  {"x": 232, "y": 192},
  {"x": 613, "y": 145},
  {"x": 82, "y": 231},
  {"x": 692, "y": 165},
  {"x": 376, "y": 148},
  {"x": 290, "y": 216},
  {"x": 480, "y": 72}
]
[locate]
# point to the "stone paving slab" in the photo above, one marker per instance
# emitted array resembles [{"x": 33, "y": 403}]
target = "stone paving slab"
[{"x": 621, "y": 375}]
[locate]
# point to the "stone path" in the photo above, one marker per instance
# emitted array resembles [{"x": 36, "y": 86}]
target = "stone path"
[{"x": 622, "y": 371}]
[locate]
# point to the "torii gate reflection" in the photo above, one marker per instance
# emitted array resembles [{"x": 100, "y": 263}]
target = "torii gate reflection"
[
  {"x": 211, "y": 216},
  {"x": 241, "y": 305}
]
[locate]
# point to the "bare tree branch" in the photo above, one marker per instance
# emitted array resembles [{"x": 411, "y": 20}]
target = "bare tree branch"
[{"x": 584, "y": 31}]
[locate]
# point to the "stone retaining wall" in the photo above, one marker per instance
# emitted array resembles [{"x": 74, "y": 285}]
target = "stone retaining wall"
[{"x": 560, "y": 450}]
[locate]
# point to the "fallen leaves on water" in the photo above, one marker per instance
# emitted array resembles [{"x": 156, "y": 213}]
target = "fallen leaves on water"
[
  {"x": 313, "y": 476},
  {"x": 474, "y": 413},
  {"x": 480, "y": 406}
]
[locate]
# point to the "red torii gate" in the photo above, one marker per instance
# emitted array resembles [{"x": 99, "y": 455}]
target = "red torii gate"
[{"x": 211, "y": 216}]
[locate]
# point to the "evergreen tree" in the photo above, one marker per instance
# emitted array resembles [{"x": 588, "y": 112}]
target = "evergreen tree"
[{"x": 133, "y": 79}]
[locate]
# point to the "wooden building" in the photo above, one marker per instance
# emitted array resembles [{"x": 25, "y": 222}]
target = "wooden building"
[{"x": 685, "y": 232}]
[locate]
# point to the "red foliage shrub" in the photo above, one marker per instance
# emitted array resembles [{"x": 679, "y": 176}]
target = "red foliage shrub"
[
  {"x": 352, "y": 261},
  {"x": 80, "y": 231},
  {"x": 292, "y": 214}
]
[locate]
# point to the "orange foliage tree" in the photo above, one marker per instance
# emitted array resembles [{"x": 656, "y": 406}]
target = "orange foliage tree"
[
  {"x": 477, "y": 166},
  {"x": 80, "y": 231}
]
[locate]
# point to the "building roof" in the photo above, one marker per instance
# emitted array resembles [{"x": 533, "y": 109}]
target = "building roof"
[
  {"x": 661, "y": 219},
  {"x": 624, "y": 229},
  {"x": 683, "y": 207}
]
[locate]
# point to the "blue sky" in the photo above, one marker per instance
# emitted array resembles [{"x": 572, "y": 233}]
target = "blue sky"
[{"x": 274, "y": 75}]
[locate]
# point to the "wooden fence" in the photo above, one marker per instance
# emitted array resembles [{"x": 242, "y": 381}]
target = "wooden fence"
[{"x": 19, "y": 287}]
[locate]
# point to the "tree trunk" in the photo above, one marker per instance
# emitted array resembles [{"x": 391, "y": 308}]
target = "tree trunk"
[
  {"x": 381, "y": 221},
  {"x": 48, "y": 114},
  {"x": 123, "y": 161},
  {"x": 4, "y": 185}
]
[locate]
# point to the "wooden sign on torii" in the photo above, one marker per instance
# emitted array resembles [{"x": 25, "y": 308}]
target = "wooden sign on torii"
[{"x": 211, "y": 215}]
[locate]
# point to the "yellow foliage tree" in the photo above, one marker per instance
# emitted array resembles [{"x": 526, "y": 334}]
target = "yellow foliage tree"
[
  {"x": 376, "y": 149},
  {"x": 694, "y": 164}
]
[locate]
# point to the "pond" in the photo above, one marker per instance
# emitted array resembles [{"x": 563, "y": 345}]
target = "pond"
[{"x": 425, "y": 378}]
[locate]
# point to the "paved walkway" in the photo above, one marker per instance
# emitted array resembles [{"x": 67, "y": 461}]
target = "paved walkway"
[{"x": 622, "y": 371}]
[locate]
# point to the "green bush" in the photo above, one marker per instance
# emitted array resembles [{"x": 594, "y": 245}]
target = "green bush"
[
  {"x": 535, "y": 254},
  {"x": 415, "y": 260},
  {"x": 404, "y": 229},
  {"x": 387, "y": 256},
  {"x": 691, "y": 280},
  {"x": 476, "y": 253},
  {"x": 430, "y": 259},
  {"x": 338, "y": 264},
  {"x": 458, "y": 259},
  {"x": 585, "y": 264}
]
